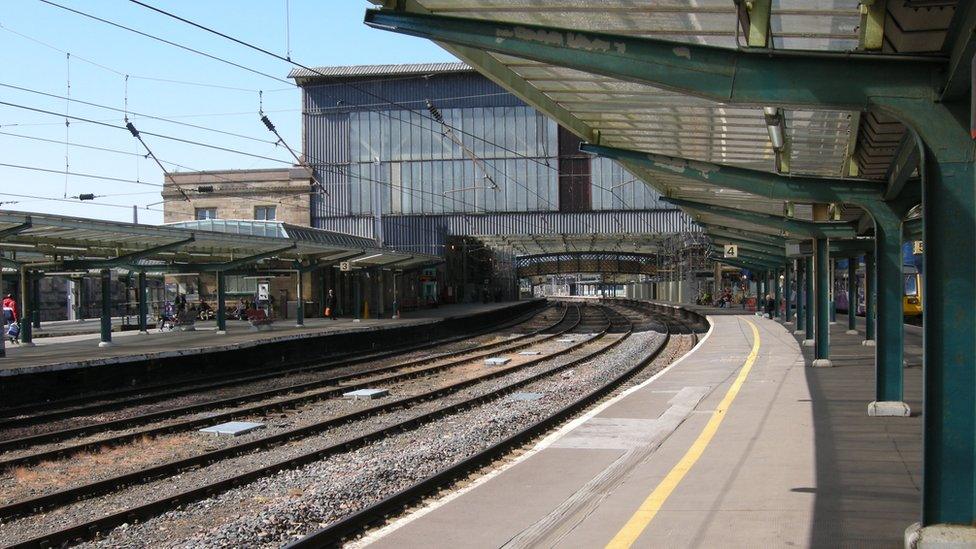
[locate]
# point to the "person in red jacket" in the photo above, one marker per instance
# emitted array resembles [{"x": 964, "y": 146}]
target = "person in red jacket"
[{"x": 9, "y": 309}]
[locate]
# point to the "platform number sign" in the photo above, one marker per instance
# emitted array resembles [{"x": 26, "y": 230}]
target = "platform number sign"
[
  {"x": 731, "y": 250},
  {"x": 345, "y": 266},
  {"x": 918, "y": 248}
]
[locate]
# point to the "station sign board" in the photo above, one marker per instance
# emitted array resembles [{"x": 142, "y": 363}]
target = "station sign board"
[
  {"x": 731, "y": 250},
  {"x": 345, "y": 266},
  {"x": 918, "y": 247}
]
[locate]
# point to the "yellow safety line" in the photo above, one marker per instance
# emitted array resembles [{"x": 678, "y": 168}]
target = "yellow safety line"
[{"x": 649, "y": 508}]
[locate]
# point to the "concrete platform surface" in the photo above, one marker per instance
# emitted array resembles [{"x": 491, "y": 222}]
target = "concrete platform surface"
[
  {"x": 57, "y": 353},
  {"x": 791, "y": 460}
]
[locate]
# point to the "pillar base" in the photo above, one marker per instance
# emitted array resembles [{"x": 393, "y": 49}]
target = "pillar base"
[
  {"x": 947, "y": 536},
  {"x": 144, "y": 332},
  {"x": 851, "y": 332},
  {"x": 889, "y": 408},
  {"x": 869, "y": 343},
  {"x": 105, "y": 344},
  {"x": 799, "y": 332},
  {"x": 299, "y": 325},
  {"x": 832, "y": 322},
  {"x": 809, "y": 342},
  {"x": 28, "y": 344},
  {"x": 357, "y": 320},
  {"x": 221, "y": 332},
  {"x": 822, "y": 363}
]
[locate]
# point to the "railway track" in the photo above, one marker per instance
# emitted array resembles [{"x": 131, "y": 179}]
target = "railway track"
[
  {"x": 612, "y": 323},
  {"x": 335, "y": 533},
  {"x": 313, "y": 392},
  {"x": 101, "y": 402}
]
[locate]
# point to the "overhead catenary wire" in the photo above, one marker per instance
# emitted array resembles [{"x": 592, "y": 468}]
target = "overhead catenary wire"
[
  {"x": 125, "y": 110},
  {"x": 165, "y": 41},
  {"x": 310, "y": 69},
  {"x": 266, "y": 52},
  {"x": 544, "y": 162}
]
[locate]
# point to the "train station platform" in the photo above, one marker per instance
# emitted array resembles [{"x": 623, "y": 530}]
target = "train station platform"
[
  {"x": 69, "y": 361},
  {"x": 738, "y": 444},
  {"x": 79, "y": 348}
]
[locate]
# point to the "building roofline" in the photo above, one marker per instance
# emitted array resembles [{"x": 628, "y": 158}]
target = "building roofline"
[{"x": 304, "y": 76}]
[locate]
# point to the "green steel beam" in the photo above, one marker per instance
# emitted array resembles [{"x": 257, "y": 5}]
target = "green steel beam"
[
  {"x": 767, "y": 260},
  {"x": 903, "y": 166},
  {"x": 5, "y": 262},
  {"x": 127, "y": 259},
  {"x": 742, "y": 264},
  {"x": 747, "y": 245},
  {"x": 808, "y": 229},
  {"x": 860, "y": 245},
  {"x": 16, "y": 229},
  {"x": 765, "y": 184},
  {"x": 720, "y": 74},
  {"x": 327, "y": 262},
  {"x": 230, "y": 265},
  {"x": 960, "y": 45},
  {"x": 742, "y": 234}
]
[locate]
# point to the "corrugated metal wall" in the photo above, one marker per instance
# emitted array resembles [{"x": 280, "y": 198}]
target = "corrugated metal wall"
[{"x": 423, "y": 180}]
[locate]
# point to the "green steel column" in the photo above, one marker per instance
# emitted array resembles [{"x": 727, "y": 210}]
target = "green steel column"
[
  {"x": 300, "y": 305},
  {"x": 221, "y": 303},
  {"x": 801, "y": 316},
  {"x": 35, "y": 287},
  {"x": 832, "y": 293},
  {"x": 949, "y": 462},
  {"x": 26, "y": 308},
  {"x": 143, "y": 306},
  {"x": 106, "y": 314},
  {"x": 809, "y": 299},
  {"x": 852, "y": 295},
  {"x": 759, "y": 290},
  {"x": 787, "y": 284},
  {"x": 822, "y": 262},
  {"x": 776, "y": 290},
  {"x": 889, "y": 319},
  {"x": 871, "y": 276}
]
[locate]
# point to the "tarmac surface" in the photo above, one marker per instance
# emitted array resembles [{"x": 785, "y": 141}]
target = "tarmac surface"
[{"x": 739, "y": 444}]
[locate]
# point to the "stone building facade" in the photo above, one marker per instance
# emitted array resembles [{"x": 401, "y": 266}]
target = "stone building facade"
[{"x": 268, "y": 195}]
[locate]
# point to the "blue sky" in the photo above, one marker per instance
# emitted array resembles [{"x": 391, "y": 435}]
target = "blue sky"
[{"x": 322, "y": 32}]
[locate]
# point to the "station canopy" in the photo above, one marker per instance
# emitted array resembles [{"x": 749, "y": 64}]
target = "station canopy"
[
  {"x": 52, "y": 243},
  {"x": 668, "y": 128}
]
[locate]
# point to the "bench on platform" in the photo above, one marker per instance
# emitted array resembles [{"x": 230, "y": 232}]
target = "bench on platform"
[{"x": 258, "y": 319}]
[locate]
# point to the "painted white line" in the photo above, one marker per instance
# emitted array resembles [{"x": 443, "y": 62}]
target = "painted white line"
[{"x": 541, "y": 445}]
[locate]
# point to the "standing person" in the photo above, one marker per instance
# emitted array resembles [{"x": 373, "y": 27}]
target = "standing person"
[
  {"x": 770, "y": 306},
  {"x": 330, "y": 305},
  {"x": 10, "y": 318},
  {"x": 180, "y": 303}
]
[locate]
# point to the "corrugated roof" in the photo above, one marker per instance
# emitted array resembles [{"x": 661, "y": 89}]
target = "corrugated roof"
[{"x": 377, "y": 70}]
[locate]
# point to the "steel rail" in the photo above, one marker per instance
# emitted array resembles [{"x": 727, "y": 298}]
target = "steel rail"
[
  {"x": 68, "y": 495},
  {"x": 89, "y": 529},
  {"x": 258, "y": 408},
  {"x": 9, "y": 416},
  {"x": 378, "y": 512}
]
